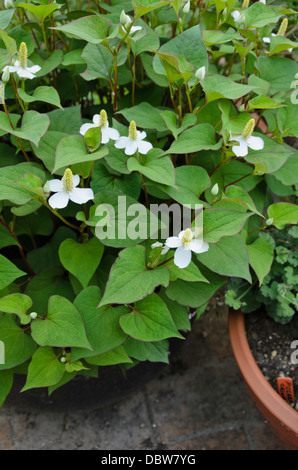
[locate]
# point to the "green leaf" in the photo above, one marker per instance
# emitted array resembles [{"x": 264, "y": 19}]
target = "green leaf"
[
  {"x": 44, "y": 370},
  {"x": 198, "y": 137},
  {"x": 6, "y": 238},
  {"x": 8, "y": 272},
  {"x": 104, "y": 180},
  {"x": 150, "y": 320},
  {"x": 6, "y": 380},
  {"x": 219, "y": 86},
  {"x": 116, "y": 356},
  {"x": 41, "y": 11},
  {"x": 9, "y": 43},
  {"x": 191, "y": 45},
  {"x": 102, "y": 324},
  {"x": 191, "y": 273},
  {"x": 18, "y": 304},
  {"x": 220, "y": 223},
  {"x": 47, "y": 94},
  {"x": 94, "y": 29},
  {"x": 72, "y": 149},
  {"x": 155, "y": 167},
  {"x": 191, "y": 182},
  {"x": 145, "y": 115},
  {"x": 228, "y": 257},
  {"x": 237, "y": 195},
  {"x": 279, "y": 44},
  {"x": 263, "y": 102},
  {"x": 271, "y": 157},
  {"x": 34, "y": 126},
  {"x": 287, "y": 119},
  {"x": 62, "y": 327},
  {"x": 259, "y": 15},
  {"x": 99, "y": 62},
  {"x": 261, "y": 256},
  {"x": 283, "y": 213},
  {"x": 278, "y": 71},
  {"x": 19, "y": 346},
  {"x": 220, "y": 37},
  {"x": 10, "y": 190},
  {"x": 287, "y": 174},
  {"x": 156, "y": 351},
  {"x": 195, "y": 294},
  {"x": 171, "y": 120},
  {"x": 5, "y": 17},
  {"x": 141, "y": 7},
  {"x": 81, "y": 259},
  {"x": 45, "y": 284},
  {"x": 130, "y": 280}
]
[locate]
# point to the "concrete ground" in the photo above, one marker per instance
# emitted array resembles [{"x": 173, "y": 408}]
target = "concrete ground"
[{"x": 198, "y": 402}]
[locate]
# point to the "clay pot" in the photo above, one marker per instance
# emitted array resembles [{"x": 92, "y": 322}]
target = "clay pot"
[{"x": 281, "y": 417}]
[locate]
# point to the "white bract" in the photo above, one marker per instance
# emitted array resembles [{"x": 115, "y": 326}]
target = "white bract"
[
  {"x": 20, "y": 65},
  {"x": 101, "y": 120},
  {"x": 66, "y": 190},
  {"x": 159, "y": 245},
  {"x": 246, "y": 140},
  {"x": 135, "y": 141},
  {"x": 185, "y": 244}
]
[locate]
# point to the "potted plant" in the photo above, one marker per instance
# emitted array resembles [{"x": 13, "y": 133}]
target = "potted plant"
[
  {"x": 134, "y": 171},
  {"x": 263, "y": 363}
]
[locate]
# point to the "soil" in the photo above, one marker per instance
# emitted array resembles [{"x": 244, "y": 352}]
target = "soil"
[{"x": 270, "y": 344}]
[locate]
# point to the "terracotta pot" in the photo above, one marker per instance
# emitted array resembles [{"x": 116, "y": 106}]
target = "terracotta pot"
[{"x": 281, "y": 417}]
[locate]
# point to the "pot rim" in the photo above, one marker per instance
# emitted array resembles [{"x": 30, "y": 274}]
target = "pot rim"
[{"x": 253, "y": 376}]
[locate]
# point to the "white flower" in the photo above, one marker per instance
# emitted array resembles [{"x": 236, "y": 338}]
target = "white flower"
[
  {"x": 262, "y": 1},
  {"x": 246, "y": 140},
  {"x": 157, "y": 245},
  {"x": 236, "y": 15},
  {"x": 135, "y": 141},
  {"x": 185, "y": 244},
  {"x": 20, "y": 65},
  {"x": 101, "y": 120},
  {"x": 133, "y": 29},
  {"x": 23, "y": 72},
  {"x": 66, "y": 190}
]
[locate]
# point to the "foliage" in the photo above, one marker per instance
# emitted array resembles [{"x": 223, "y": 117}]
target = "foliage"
[
  {"x": 279, "y": 291},
  {"x": 110, "y": 109}
]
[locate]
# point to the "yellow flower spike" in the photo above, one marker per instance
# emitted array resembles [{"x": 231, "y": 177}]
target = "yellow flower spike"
[
  {"x": 67, "y": 180},
  {"x": 132, "y": 131},
  {"x": 249, "y": 128},
  {"x": 103, "y": 118},
  {"x": 245, "y": 4},
  {"x": 187, "y": 237},
  {"x": 23, "y": 53},
  {"x": 283, "y": 27}
]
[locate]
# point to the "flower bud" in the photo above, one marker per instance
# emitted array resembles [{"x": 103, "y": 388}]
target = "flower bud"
[
  {"x": 33, "y": 315},
  {"x": 245, "y": 4},
  {"x": 63, "y": 359},
  {"x": 5, "y": 75},
  {"x": 186, "y": 7},
  {"x": 8, "y": 4},
  {"x": 125, "y": 19},
  {"x": 200, "y": 73},
  {"x": 215, "y": 189},
  {"x": 269, "y": 221}
]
